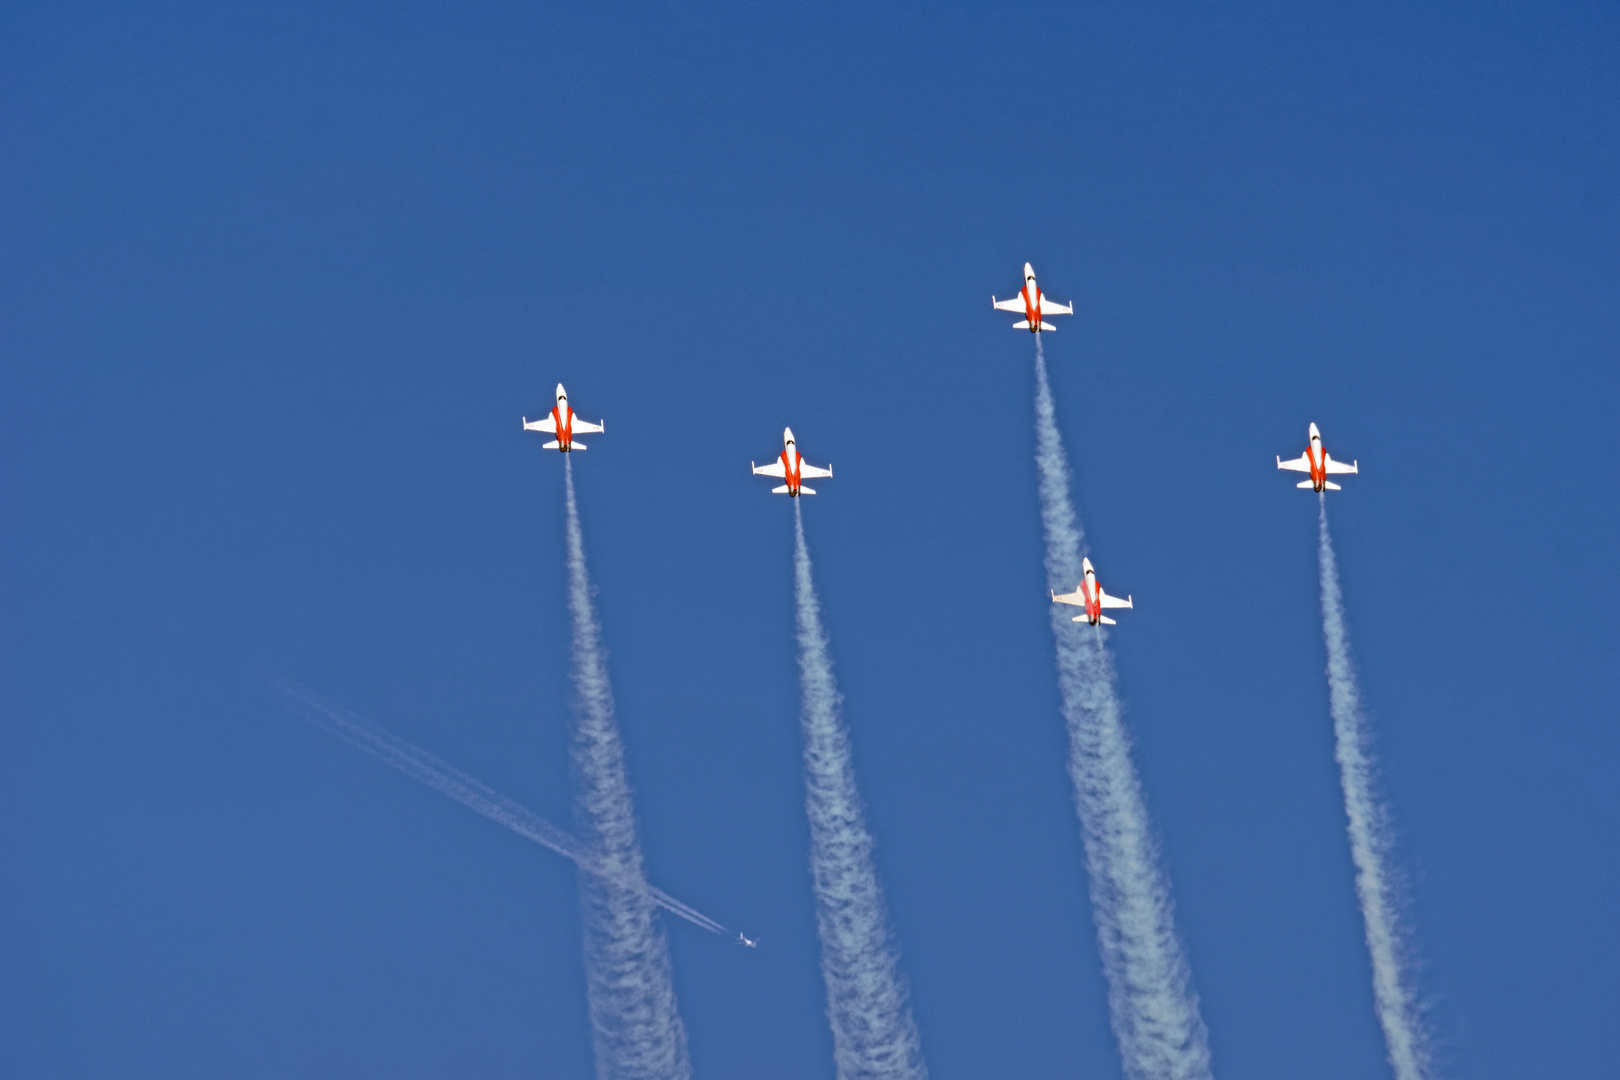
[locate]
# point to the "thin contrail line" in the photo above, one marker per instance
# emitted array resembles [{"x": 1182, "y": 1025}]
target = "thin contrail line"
[
  {"x": 446, "y": 779},
  {"x": 635, "y": 1024},
  {"x": 1152, "y": 1005},
  {"x": 874, "y": 1035},
  {"x": 1369, "y": 828}
]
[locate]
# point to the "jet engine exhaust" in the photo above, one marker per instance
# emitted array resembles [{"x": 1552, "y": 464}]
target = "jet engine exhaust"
[
  {"x": 446, "y": 779},
  {"x": 636, "y": 1027},
  {"x": 1368, "y": 825},
  {"x": 1152, "y": 1005},
  {"x": 874, "y": 1035}
]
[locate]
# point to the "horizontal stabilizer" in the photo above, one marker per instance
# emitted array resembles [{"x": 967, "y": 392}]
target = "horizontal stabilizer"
[
  {"x": 1021, "y": 325},
  {"x": 1080, "y": 618},
  {"x": 1331, "y": 486},
  {"x": 1047, "y": 326},
  {"x": 1105, "y": 620},
  {"x": 1306, "y": 484},
  {"x": 806, "y": 491},
  {"x": 783, "y": 490},
  {"x": 552, "y": 445}
]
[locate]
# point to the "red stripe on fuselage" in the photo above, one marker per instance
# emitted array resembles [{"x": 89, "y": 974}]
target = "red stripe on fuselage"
[
  {"x": 564, "y": 423},
  {"x": 790, "y": 471}
]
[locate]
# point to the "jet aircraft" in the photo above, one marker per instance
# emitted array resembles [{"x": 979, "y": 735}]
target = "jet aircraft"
[
  {"x": 790, "y": 467},
  {"x": 1035, "y": 305},
  {"x": 564, "y": 423},
  {"x": 752, "y": 943},
  {"x": 1318, "y": 463},
  {"x": 1090, "y": 596}
]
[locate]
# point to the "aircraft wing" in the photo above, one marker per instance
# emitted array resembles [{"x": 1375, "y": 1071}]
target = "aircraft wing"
[
  {"x": 1299, "y": 464},
  {"x": 1050, "y": 306},
  {"x": 1114, "y": 601},
  {"x": 582, "y": 426},
  {"x": 545, "y": 423},
  {"x": 1015, "y": 304},
  {"x": 812, "y": 471},
  {"x": 1337, "y": 466},
  {"x": 775, "y": 468},
  {"x": 1077, "y": 598}
]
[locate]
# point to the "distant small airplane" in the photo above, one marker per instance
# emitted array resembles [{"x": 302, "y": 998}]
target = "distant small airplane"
[
  {"x": 564, "y": 423},
  {"x": 790, "y": 467},
  {"x": 1090, "y": 596},
  {"x": 1033, "y": 303},
  {"x": 1318, "y": 463},
  {"x": 752, "y": 943}
]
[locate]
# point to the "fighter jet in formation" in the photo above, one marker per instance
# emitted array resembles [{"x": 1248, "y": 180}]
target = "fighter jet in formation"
[
  {"x": 790, "y": 467},
  {"x": 563, "y": 423},
  {"x": 1090, "y": 595},
  {"x": 1035, "y": 305},
  {"x": 1318, "y": 463}
]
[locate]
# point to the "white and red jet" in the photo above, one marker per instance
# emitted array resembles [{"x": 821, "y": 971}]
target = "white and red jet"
[
  {"x": 1091, "y": 596},
  {"x": 790, "y": 467},
  {"x": 564, "y": 423},
  {"x": 1318, "y": 463},
  {"x": 1035, "y": 305}
]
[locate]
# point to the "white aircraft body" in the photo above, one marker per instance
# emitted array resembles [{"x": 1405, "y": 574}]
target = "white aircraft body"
[
  {"x": 752, "y": 943},
  {"x": 1318, "y": 463},
  {"x": 1091, "y": 596},
  {"x": 790, "y": 467},
  {"x": 564, "y": 423},
  {"x": 1034, "y": 304}
]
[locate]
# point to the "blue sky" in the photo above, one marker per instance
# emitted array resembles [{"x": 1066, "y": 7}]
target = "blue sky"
[{"x": 279, "y": 282}]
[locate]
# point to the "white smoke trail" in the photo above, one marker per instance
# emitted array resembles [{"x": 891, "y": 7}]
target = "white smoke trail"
[
  {"x": 635, "y": 1025},
  {"x": 1369, "y": 830},
  {"x": 874, "y": 1036},
  {"x": 446, "y": 779},
  {"x": 1151, "y": 1001}
]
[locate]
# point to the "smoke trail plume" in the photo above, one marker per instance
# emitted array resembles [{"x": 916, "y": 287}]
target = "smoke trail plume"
[
  {"x": 874, "y": 1036},
  {"x": 1369, "y": 830},
  {"x": 446, "y": 779},
  {"x": 1150, "y": 997},
  {"x": 635, "y": 1026}
]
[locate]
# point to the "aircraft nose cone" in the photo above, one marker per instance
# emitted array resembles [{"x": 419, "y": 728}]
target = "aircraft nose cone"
[
  {"x": 1314, "y": 433},
  {"x": 560, "y": 391},
  {"x": 1029, "y": 272},
  {"x": 787, "y": 435},
  {"x": 1085, "y": 565}
]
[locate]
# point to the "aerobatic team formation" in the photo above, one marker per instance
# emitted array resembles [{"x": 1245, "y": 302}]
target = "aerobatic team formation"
[
  {"x": 1034, "y": 305},
  {"x": 636, "y": 1026}
]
